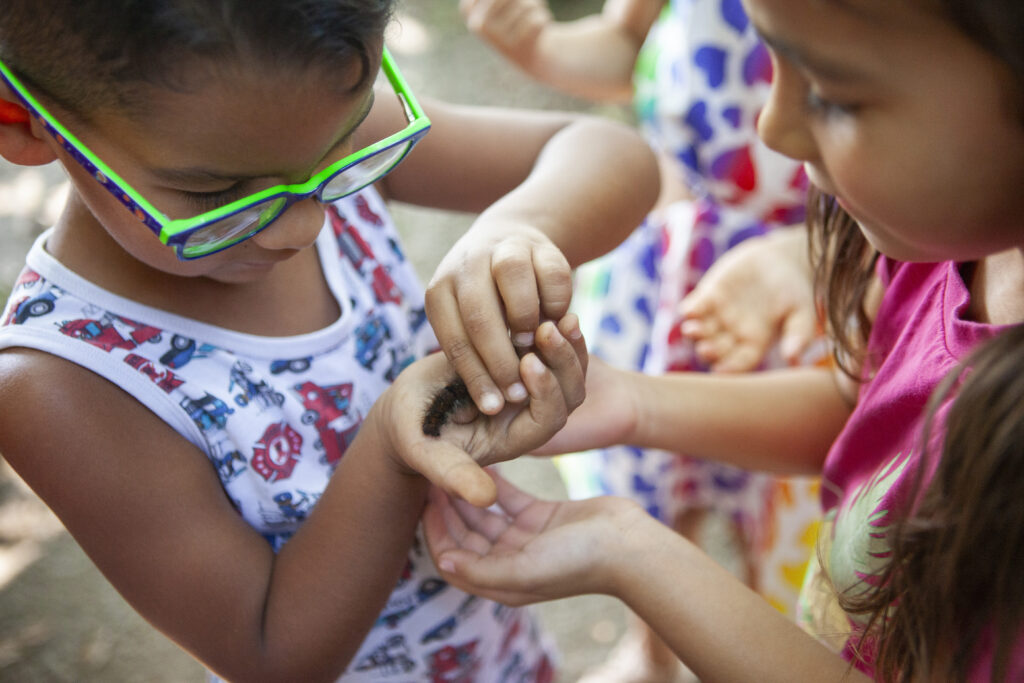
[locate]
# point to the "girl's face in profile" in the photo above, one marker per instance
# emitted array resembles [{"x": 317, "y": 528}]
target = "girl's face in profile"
[{"x": 915, "y": 129}]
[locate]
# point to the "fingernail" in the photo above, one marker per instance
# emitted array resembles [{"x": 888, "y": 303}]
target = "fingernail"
[
  {"x": 489, "y": 402},
  {"x": 517, "y": 392},
  {"x": 446, "y": 565},
  {"x": 523, "y": 339},
  {"x": 536, "y": 365}
]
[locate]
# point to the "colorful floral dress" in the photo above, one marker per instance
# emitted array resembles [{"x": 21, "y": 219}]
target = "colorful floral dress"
[{"x": 701, "y": 81}]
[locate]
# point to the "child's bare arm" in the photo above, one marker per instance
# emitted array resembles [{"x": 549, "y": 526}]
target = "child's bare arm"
[
  {"x": 781, "y": 420},
  {"x": 554, "y": 190},
  {"x": 536, "y": 550},
  {"x": 592, "y": 57},
  {"x": 149, "y": 510}
]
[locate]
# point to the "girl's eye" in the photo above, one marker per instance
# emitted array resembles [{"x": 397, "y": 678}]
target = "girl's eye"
[
  {"x": 827, "y": 108},
  {"x": 208, "y": 201}
]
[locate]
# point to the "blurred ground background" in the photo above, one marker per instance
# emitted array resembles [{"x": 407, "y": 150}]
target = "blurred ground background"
[{"x": 59, "y": 618}]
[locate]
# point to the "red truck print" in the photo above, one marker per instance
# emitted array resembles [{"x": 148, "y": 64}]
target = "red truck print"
[{"x": 360, "y": 255}]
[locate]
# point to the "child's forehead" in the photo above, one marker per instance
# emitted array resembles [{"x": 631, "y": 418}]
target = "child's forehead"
[{"x": 243, "y": 123}]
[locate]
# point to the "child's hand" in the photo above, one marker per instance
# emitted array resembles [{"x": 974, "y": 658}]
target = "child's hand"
[
  {"x": 757, "y": 293},
  {"x": 511, "y": 26},
  {"x": 450, "y": 447},
  {"x": 608, "y": 415},
  {"x": 536, "y": 550},
  {"x": 486, "y": 299}
]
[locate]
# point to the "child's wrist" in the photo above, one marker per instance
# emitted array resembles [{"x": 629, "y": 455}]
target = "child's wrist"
[
  {"x": 626, "y": 547},
  {"x": 379, "y": 423}
]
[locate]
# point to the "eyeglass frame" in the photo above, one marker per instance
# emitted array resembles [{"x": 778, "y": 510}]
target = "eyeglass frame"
[{"x": 174, "y": 232}]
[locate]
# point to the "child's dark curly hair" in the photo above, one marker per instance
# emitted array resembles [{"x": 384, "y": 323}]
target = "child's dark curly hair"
[{"x": 89, "y": 55}]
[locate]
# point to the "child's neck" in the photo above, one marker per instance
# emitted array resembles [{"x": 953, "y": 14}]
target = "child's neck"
[
  {"x": 997, "y": 288},
  {"x": 265, "y": 307}
]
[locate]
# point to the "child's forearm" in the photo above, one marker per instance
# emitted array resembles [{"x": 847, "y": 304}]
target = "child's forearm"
[
  {"x": 591, "y": 58},
  {"x": 592, "y": 184},
  {"x": 330, "y": 582},
  {"x": 720, "y": 628},
  {"x": 782, "y": 421}
]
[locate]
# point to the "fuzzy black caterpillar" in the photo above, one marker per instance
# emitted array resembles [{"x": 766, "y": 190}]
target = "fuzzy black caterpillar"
[{"x": 444, "y": 404}]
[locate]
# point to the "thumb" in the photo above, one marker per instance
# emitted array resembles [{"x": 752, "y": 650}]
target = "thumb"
[{"x": 456, "y": 473}]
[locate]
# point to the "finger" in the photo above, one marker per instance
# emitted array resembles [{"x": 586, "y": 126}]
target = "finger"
[
  {"x": 455, "y": 472},
  {"x": 476, "y": 13},
  {"x": 569, "y": 326},
  {"x": 483, "y": 317},
  {"x": 714, "y": 348},
  {"x": 513, "y": 272},
  {"x": 695, "y": 305},
  {"x": 487, "y": 577},
  {"x": 546, "y": 412},
  {"x": 512, "y": 499},
  {"x": 740, "y": 358},
  {"x": 554, "y": 281},
  {"x": 798, "y": 331},
  {"x": 435, "y": 528},
  {"x": 466, "y": 536},
  {"x": 699, "y": 328},
  {"x": 446, "y": 319},
  {"x": 561, "y": 358},
  {"x": 483, "y": 521}
]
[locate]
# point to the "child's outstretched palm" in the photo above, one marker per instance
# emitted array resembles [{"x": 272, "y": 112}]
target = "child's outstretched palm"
[
  {"x": 533, "y": 550},
  {"x": 758, "y": 293}
]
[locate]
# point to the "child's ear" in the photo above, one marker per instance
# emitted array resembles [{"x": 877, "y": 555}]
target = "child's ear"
[{"x": 21, "y": 142}]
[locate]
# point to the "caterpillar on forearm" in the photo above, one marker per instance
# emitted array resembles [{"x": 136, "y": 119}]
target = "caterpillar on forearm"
[{"x": 443, "y": 405}]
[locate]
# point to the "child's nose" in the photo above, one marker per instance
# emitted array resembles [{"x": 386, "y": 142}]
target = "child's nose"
[
  {"x": 782, "y": 123},
  {"x": 297, "y": 228}
]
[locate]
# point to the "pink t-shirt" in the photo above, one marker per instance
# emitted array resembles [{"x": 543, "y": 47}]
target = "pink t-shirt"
[{"x": 920, "y": 335}]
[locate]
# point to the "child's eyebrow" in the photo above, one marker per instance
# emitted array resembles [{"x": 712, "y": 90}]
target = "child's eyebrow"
[
  {"x": 820, "y": 65},
  {"x": 196, "y": 174}
]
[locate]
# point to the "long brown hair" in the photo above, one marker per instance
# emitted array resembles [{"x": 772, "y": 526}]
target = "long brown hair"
[{"x": 952, "y": 590}]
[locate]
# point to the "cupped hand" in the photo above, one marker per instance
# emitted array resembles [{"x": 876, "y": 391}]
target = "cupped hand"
[
  {"x": 757, "y": 294},
  {"x": 467, "y": 439},
  {"x": 530, "y": 550},
  {"x": 486, "y": 300}
]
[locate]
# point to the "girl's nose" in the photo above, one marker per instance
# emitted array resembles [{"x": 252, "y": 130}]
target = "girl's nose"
[
  {"x": 782, "y": 123},
  {"x": 297, "y": 228}
]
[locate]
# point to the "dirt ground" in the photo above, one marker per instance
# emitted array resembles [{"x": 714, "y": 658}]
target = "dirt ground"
[{"x": 59, "y": 618}]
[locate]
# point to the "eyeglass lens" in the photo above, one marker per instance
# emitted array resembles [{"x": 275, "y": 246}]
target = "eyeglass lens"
[{"x": 243, "y": 224}]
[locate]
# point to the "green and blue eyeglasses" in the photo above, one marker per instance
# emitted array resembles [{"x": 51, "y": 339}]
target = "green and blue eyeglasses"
[{"x": 216, "y": 230}]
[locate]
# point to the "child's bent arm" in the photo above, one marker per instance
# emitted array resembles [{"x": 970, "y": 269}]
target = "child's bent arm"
[
  {"x": 149, "y": 510},
  {"x": 555, "y": 190}
]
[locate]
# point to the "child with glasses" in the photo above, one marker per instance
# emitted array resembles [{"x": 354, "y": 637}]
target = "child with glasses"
[
  {"x": 909, "y": 120},
  {"x": 196, "y": 360}
]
